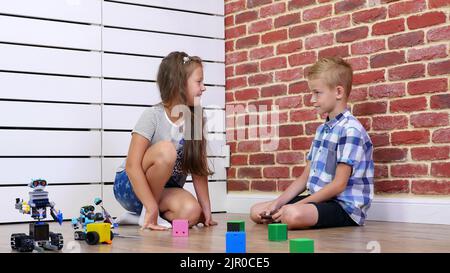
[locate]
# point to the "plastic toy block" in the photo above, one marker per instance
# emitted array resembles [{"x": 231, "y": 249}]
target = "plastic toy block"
[
  {"x": 180, "y": 228},
  {"x": 235, "y": 242},
  {"x": 277, "y": 232},
  {"x": 236, "y": 226},
  {"x": 301, "y": 245}
]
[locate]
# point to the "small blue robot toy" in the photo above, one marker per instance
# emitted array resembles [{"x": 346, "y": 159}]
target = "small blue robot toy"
[
  {"x": 40, "y": 238},
  {"x": 89, "y": 216}
]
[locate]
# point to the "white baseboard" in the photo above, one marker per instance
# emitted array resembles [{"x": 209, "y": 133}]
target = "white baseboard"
[{"x": 425, "y": 210}]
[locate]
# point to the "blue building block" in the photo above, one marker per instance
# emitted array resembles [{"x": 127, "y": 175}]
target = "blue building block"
[{"x": 235, "y": 242}]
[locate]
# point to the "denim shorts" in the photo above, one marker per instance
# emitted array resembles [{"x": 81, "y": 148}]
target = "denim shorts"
[{"x": 124, "y": 194}]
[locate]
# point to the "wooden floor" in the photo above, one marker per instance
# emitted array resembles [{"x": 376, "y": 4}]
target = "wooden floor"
[{"x": 382, "y": 236}]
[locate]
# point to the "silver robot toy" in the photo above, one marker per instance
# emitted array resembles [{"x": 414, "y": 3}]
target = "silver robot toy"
[{"x": 40, "y": 237}]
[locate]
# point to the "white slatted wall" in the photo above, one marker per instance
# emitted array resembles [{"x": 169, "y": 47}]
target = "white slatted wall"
[{"x": 74, "y": 77}]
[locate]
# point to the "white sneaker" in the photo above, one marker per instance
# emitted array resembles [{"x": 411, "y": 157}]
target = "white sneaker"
[
  {"x": 128, "y": 218},
  {"x": 160, "y": 221}
]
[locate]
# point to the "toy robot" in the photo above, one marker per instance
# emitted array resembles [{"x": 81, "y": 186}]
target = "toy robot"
[
  {"x": 107, "y": 216},
  {"x": 96, "y": 226},
  {"x": 40, "y": 237}
]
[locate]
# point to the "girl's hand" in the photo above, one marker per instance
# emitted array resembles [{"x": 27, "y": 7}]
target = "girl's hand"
[
  {"x": 150, "y": 220},
  {"x": 154, "y": 227},
  {"x": 207, "y": 220}
]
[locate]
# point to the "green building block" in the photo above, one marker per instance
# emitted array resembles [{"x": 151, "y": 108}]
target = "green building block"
[
  {"x": 234, "y": 226},
  {"x": 277, "y": 232},
  {"x": 301, "y": 245}
]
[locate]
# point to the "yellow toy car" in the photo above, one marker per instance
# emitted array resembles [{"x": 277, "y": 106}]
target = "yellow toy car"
[{"x": 99, "y": 233}]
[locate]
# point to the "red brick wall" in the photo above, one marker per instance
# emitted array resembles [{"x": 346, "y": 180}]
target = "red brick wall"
[{"x": 399, "y": 51}]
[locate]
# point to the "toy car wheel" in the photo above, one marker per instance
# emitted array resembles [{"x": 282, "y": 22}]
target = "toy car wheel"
[
  {"x": 92, "y": 238},
  {"x": 57, "y": 240},
  {"x": 26, "y": 244},
  {"x": 79, "y": 235},
  {"x": 15, "y": 240}
]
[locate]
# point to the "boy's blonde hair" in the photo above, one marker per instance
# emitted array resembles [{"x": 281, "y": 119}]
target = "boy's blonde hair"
[{"x": 333, "y": 71}]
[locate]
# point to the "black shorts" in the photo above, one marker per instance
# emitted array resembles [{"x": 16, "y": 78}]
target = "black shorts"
[{"x": 331, "y": 214}]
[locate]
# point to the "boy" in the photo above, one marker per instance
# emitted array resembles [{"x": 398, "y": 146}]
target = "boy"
[{"x": 339, "y": 170}]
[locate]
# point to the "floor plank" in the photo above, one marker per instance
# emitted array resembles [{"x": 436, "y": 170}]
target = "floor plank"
[{"x": 389, "y": 237}]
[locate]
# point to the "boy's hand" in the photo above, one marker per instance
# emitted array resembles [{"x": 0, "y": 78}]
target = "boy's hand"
[
  {"x": 266, "y": 216},
  {"x": 268, "y": 212},
  {"x": 266, "y": 219},
  {"x": 280, "y": 214}
]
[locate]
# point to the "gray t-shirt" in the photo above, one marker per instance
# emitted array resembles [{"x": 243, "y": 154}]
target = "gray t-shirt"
[{"x": 155, "y": 125}]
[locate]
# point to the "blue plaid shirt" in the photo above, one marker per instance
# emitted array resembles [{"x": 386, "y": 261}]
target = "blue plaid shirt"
[{"x": 344, "y": 140}]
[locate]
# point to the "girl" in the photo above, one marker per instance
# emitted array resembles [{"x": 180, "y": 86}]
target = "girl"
[{"x": 163, "y": 151}]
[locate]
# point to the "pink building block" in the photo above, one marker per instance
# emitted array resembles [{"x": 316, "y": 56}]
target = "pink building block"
[{"x": 180, "y": 228}]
